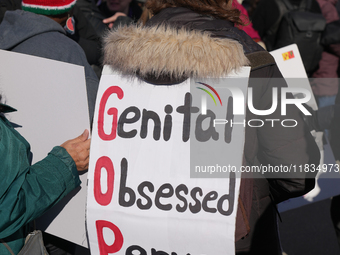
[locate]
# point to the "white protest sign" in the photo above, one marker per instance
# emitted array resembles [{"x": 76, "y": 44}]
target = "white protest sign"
[
  {"x": 51, "y": 100},
  {"x": 289, "y": 61},
  {"x": 291, "y": 66},
  {"x": 141, "y": 197}
]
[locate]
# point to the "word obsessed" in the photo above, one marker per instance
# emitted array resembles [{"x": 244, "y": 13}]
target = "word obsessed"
[{"x": 210, "y": 202}]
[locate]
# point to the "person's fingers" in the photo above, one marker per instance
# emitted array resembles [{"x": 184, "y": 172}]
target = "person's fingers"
[
  {"x": 113, "y": 18},
  {"x": 83, "y": 165},
  {"x": 79, "y": 150},
  {"x": 87, "y": 144},
  {"x": 83, "y": 155},
  {"x": 83, "y": 146},
  {"x": 108, "y": 20},
  {"x": 84, "y": 136}
]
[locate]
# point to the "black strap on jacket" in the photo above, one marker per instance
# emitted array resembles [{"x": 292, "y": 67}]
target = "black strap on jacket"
[{"x": 260, "y": 59}]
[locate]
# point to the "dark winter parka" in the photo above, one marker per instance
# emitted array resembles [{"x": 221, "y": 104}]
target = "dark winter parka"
[{"x": 178, "y": 43}]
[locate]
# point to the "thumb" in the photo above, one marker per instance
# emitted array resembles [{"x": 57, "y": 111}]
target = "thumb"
[
  {"x": 84, "y": 136},
  {"x": 111, "y": 19}
]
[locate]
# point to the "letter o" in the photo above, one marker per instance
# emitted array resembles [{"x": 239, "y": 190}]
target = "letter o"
[
  {"x": 292, "y": 120},
  {"x": 101, "y": 198},
  {"x": 253, "y": 120}
]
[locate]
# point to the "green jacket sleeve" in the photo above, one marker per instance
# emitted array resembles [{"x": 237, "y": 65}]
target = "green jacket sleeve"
[{"x": 26, "y": 192}]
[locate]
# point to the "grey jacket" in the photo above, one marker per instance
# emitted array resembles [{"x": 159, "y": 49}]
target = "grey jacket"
[{"x": 40, "y": 36}]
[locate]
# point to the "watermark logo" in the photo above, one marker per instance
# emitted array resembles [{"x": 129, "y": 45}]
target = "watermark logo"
[
  {"x": 204, "y": 99},
  {"x": 280, "y": 98},
  {"x": 235, "y": 102}
]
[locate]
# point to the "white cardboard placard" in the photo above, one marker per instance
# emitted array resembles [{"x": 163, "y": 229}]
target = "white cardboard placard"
[
  {"x": 140, "y": 194},
  {"x": 51, "y": 100}
]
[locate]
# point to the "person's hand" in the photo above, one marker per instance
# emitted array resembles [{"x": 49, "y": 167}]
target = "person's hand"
[
  {"x": 79, "y": 150},
  {"x": 113, "y": 18}
]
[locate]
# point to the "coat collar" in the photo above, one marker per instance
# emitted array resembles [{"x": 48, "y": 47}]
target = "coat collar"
[{"x": 167, "y": 51}]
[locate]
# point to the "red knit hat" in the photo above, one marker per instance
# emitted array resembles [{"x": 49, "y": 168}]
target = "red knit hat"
[{"x": 48, "y": 7}]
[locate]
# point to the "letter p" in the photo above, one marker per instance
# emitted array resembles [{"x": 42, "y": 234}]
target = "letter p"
[
  {"x": 219, "y": 121},
  {"x": 104, "y": 248}
]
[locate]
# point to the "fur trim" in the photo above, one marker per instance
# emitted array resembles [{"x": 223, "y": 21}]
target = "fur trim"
[{"x": 166, "y": 51}]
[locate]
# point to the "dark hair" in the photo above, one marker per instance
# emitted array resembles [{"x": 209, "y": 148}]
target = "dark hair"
[{"x": 216, "y": 8}]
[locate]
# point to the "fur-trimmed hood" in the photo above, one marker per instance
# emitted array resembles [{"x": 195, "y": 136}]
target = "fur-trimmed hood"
[{"x": 160, "y": 51}]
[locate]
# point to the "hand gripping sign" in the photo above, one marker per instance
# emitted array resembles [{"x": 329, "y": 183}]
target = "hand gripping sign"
[{"x": 158, "y": 181}]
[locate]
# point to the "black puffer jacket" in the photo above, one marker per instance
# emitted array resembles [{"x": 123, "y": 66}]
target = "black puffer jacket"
[{"x": 178, "y": 43}]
